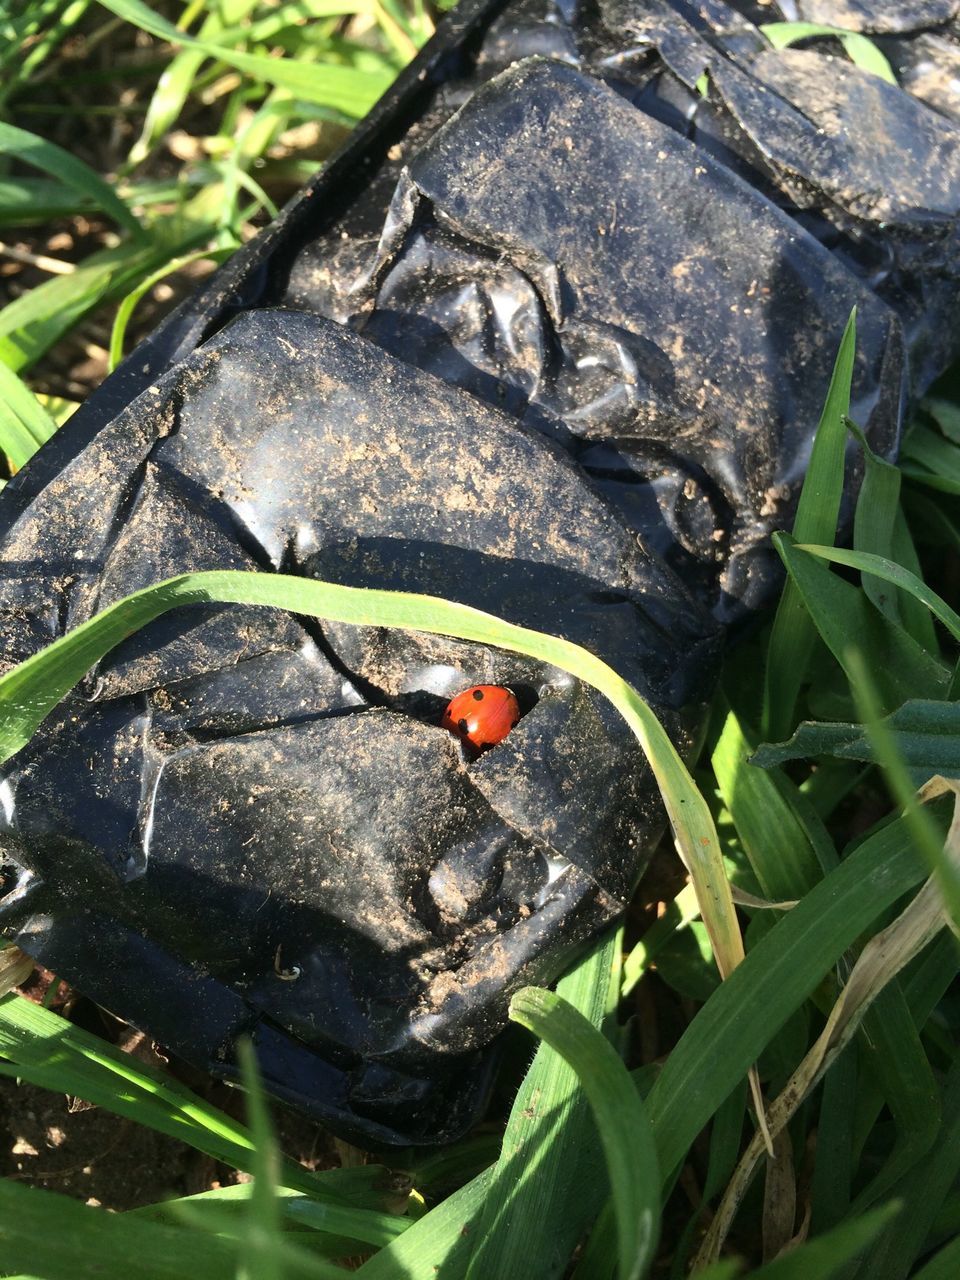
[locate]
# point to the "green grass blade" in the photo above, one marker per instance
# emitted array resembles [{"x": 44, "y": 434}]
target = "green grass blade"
[
  {"x": 895, "y": 574},
  {"x": 932, "y": 451},
  {"x": 53, "y": 160},
  {"x": 679, "y": 914},
  {"x": 945, "y": 414},
  {"x": 726, "y": 1134},
  {"x": 846, "y": 619},
  {"x": 438, "y": 1244},
  {"x": 353, "y": 1209},
  {"x": 50, "y": 1052},
  {"x": 624, "y": 1131},
  {"x": 543, "y": 1193},
  {"x": 793, "y": 634},
  {"x": 861, "y": 51},
  {"x": 344, "y": 88},
  {"x": 260, "y": 1258},
  {"x": 772, "y": 836},
  {"x": 879, "y": 528},
  {"x": 778, "y": 975},
  {"x": 922, "y": 1192},
  {"x": 923, "y": 985},
  {"x": 128, "y": 304},
  {"x": 24, "y": 423},
  {"x": 925, "y": 733},
  {"x": 32, "y": 323},
  {"x": 945, "y": 1265},
  {"x": 925, "y": 833},
  {"x": 56, "y": 1238},
  {"x": 833, "y": 1169},
  {"x": 892, "y": 1052},
  {"x": 866, "y": 55}
]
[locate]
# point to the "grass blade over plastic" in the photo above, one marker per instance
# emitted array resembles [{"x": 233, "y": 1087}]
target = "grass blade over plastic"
[
  {"x": 624, "y": 1131},
  {"x": 817, "y": 512},
  {"x": 30, "y": 691},
  {"x": 861, "y": 51}
]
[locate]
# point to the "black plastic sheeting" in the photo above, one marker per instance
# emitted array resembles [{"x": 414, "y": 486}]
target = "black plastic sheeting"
[{"x": 551, "y": 338}]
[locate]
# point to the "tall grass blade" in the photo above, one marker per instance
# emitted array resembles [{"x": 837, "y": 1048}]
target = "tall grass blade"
[
  {"x": 548, "y": 1184},
  {"x": 624, "y": 1131},
  {"x": 791, "y": 641}
]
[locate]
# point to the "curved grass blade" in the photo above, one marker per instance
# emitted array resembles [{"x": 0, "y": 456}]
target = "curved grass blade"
[
  {"x": 895, "y": 574},
  {"x": 861, "y": 51},
  {"x": 53, "y": 160},
  {"x": 127, "y": 306},
  {"x": 845, "y": 619},
  {"x": 31, "y": 690},
  {"x": 624, "y": 1131}
]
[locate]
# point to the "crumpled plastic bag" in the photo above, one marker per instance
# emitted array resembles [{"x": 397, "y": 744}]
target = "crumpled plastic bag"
[{"x": 549, "y": 338}]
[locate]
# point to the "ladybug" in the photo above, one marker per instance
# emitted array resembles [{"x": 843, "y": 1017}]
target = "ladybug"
[{"x": 482, "y": 715}]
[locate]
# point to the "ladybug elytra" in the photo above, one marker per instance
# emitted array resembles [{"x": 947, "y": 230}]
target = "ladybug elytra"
[{"x": 482, "y": 715}]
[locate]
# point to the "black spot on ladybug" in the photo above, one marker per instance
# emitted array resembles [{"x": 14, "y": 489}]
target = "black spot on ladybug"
[
  {"x": 478, "y": 694},
  {"x": 462, "y": 726}
]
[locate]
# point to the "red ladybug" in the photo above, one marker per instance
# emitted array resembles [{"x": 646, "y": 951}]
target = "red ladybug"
[{"x": 482, "y": 715}]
